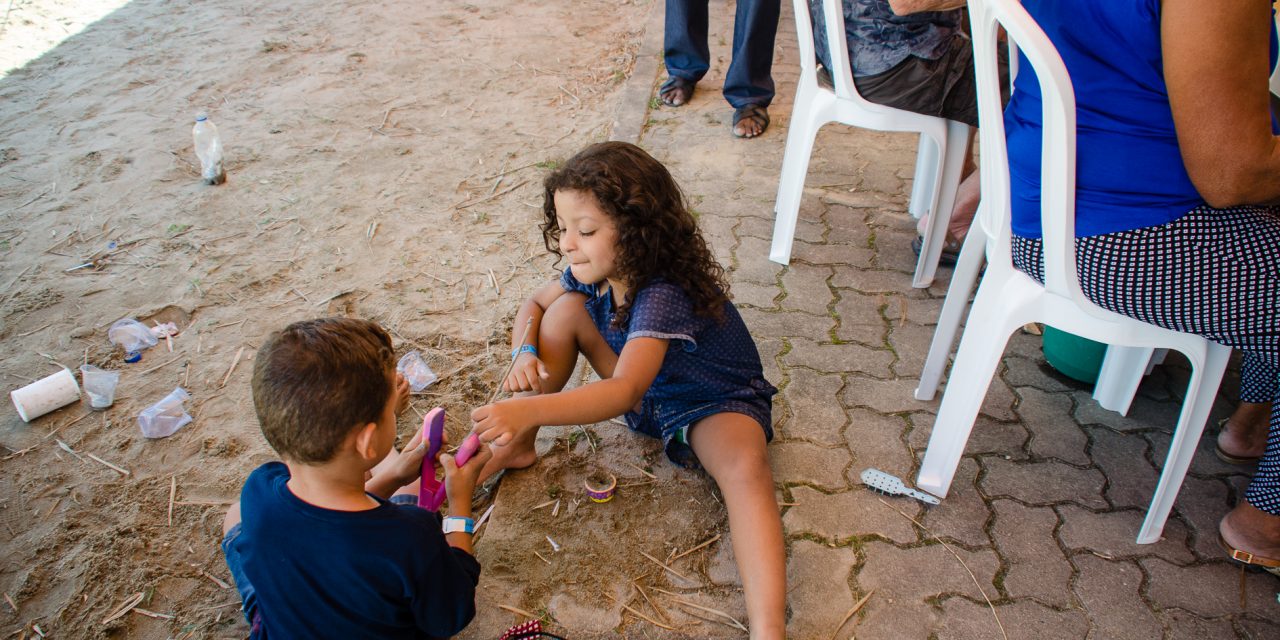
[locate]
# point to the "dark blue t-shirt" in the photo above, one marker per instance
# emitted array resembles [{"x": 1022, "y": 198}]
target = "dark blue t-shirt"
[
  {"x": 705, "y": 361},
  {"x": 319, "y": 573}
]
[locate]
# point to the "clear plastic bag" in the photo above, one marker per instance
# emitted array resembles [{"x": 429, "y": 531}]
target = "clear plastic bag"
[
  {"x": 163, "y": 418},
  {"x": 131, "y": 335},
  {"x": 415, "y": 370}
]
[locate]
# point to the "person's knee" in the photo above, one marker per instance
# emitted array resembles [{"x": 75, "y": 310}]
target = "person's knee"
[
  {"x": 232, "y": 518},
  {"x": 564, "y": 311}
]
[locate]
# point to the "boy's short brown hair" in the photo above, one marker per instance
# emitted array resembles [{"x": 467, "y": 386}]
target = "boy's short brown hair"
[{"x": 316, "y": 380}]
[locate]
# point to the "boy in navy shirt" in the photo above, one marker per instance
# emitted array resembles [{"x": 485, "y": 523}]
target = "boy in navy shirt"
[{"x": 331, "y": 544}]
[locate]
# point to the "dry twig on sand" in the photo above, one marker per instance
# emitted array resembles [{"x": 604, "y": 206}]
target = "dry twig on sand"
[
  {"x": 234, "y": 362},
  {"x": 704, "y": 544},
  {"x": 128, "y": 605},
  {"x": 664, "y": 566},
  {"x": 856, "y": 608}
]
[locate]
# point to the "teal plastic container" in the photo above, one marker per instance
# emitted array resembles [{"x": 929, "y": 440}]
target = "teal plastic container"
[{"x": 1075, "y": 357}]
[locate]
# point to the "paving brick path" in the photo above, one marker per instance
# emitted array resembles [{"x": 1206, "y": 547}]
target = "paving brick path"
[{"x": 1049, "y": 497}]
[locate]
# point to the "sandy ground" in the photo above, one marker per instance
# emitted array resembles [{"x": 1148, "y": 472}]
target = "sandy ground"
[{"x": 383, "y": 161}]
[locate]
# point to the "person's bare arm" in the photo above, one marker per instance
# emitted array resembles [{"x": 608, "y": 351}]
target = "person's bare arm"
[
  {"x": 906, "y": 7},
  {"x": 1215, "y": 66}
]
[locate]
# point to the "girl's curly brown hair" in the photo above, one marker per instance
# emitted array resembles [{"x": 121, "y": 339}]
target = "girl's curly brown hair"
[{"x": 657, "y": 236}]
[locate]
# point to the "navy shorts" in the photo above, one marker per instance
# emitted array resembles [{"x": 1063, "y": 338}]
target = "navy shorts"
[
  {"x": 671, "y": 420},
  {"x": 248, "y": 596}
]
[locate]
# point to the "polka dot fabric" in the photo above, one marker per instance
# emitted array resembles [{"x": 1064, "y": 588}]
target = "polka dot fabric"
[
  {"x": 1212, "y": 272},
  {"x": 709, "y": 367}
]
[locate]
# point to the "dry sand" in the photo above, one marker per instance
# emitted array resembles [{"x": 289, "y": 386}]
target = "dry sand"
[{"x": 383, "y": 161}]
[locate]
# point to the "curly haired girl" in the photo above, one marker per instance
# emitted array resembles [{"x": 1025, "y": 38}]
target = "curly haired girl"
[{"x": 646, "y": 303}]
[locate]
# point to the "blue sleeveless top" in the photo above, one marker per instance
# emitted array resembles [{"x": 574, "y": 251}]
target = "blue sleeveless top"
[{"x": 1129, "y": 171}]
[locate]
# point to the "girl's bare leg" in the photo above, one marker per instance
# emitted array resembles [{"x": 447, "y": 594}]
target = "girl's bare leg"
[
  {"x": 566, "y": 331},
  {"x": 731, "y": 447}
]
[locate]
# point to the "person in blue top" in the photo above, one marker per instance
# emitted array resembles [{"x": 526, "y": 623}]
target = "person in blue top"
[
  {"x": 646, "y": 303},
  {"x": 1177, "y": 197},
  {"x": 330, "y": 542}
]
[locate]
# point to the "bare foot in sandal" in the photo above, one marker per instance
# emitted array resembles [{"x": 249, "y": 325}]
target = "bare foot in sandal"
[
  {"x": 1243, "y": 437},
  {"x": 1251, "y": 535},
  {"x": 750, "y": 121},
  {"x": 676, "y": 92}
]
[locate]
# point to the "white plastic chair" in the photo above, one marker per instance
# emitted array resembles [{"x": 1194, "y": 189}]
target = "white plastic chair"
[
  {"x": 1008, "y": 299},
  {"x": 939, "y": 160}
]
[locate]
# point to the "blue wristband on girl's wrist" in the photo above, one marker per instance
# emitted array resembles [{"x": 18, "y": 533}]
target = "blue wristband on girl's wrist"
[{"x": 524, "y": 348}]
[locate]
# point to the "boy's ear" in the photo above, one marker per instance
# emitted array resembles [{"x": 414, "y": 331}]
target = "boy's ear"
[{"x": 366, "y": 441}]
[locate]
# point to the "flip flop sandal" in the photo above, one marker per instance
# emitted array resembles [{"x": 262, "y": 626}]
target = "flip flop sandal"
[
  {"x": 1228, "y": 457},
  {"x": 676, "y": 92},
  {"x": 754, "y": 112},
  {"x": 431, "y": 492},
  {"x": 1270, "y": 565},
  {"x": 950, "y": 254}
]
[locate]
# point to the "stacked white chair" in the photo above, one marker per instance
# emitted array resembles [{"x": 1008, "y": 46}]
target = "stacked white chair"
[
  {"x": 1007, "y": 299},
  {"x": 939, "y": 160}
]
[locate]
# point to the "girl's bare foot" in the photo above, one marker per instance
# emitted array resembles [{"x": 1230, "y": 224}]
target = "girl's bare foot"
[
  {"x": 1243, "y": 437},
  {"x": 402, "y": 394}
]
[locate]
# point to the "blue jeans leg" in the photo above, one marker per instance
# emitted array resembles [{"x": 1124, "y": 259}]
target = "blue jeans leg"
[
  {"x": 684, "y": 39},
  {"x": 750, "y": 76}
]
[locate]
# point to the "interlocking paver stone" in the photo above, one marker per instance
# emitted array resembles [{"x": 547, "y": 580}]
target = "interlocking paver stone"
[
  {"x": 926, "y": 571},
  {"x": 905, "y": 337},
  {"x": 752, "y": 264},
  {"x": 874, "y": 281},
  {"x": 1123, "y": 459},
  {"x": 966, "y": 619},
  {"x": 915, "y": 311},
  {"x": 875, "y": 441},
  {"x": 1005, "y": 439},
  {"x": 769, "y": 349},
  {"x": 787, "y": 324},
  {"x": 801, "y": 462},
  {"x": 838, "y": 358},
  {"x": 814, "y": 407},
  {"x": 856, "y": 512},
  {"x": 1036, "y": 567},
  {"x": 806, "y": 288},
  {"x": 1198, "y": 589},
  {"x": 885, "y": 396},
  {"x": 1110, "y": 592},
  {"x": 963, "y": 514},
  {"x": 821, "y": 594},
  {"x": 1143, "y": 414},
  {"x": 1053, "y": 435},
  {"x": 1042, "y": 482},
  {"x": 893, "y": 246},
  {"x": 1186, "y": 626},
  {"x": 858, "y": 256},
  {"x": 1201, "y": 503},
  {"x": 1115, "y": 534},
  {"x": 860, "y": 319},
  {"x": 756, "y": 295},
  {"x": 1028, "y": 372}
]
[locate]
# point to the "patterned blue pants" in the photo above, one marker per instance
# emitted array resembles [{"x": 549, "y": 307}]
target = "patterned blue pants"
[{"x": 1212, "y": 272}]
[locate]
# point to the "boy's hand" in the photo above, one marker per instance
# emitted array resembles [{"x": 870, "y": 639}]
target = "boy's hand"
[
  {"x": 407, "y": 466},
  {"x": 527, "y": 374},
  {"x": 499, "y": 423},
  {"x": 460, "y": 482},
  {"x": 402, "y": 394}
]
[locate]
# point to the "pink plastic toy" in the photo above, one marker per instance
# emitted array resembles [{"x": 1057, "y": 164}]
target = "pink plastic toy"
[{"x": 431, "y": 493}]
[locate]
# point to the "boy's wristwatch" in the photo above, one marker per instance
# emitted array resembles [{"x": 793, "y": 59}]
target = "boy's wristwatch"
[{"x": 457, "y": 524}]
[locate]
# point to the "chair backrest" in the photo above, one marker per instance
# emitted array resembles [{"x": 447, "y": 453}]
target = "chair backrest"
[
  {"x": 1058, "y": 143},
  {"x": 837, "y": 49}
]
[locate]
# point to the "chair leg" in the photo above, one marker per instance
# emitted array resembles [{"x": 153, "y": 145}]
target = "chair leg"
[
  {"x": 1202, "y": 389},
  {"x": 927, "y": 164},
  {"x": 935, "y": 235},
  {"x": 981, "y": 349},
  {"x": 972, "y": 256},
  {"x": 1122, "y": 372},
  {"x": 795, "y": 166}
]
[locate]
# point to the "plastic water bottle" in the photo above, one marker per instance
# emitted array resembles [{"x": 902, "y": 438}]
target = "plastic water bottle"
[{"x": 209, "y": 150}]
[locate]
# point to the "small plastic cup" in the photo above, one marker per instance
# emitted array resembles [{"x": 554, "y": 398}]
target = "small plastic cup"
[
  {"x": 100, "y": 385},
  {"x": 45, "y": 395}
]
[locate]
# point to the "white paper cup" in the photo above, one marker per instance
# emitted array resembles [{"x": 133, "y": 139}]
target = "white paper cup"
[{"x": 45, "y": 395}]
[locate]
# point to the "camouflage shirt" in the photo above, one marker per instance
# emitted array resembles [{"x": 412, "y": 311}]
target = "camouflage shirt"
[{"x": 879, "y": 40}]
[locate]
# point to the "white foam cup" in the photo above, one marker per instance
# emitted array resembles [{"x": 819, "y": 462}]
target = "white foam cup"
[{"x": 45, "y": 395}]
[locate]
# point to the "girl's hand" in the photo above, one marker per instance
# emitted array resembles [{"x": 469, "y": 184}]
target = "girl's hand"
[
  {"x": 527, "y": 374},
  {"x": 499, "y": 423}
]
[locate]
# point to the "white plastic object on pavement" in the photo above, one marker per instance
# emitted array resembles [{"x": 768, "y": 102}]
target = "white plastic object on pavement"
[
  {"x": 163, "y": 418},
  {"x": 415, "y": 370},
  {"x": 100, "y": 385},
  {"x": 131, "y": 335},
  {"x": 45, "y": 395},
  {"x": 209, "y": 150},
  {"x": 893, "y": 485}
]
